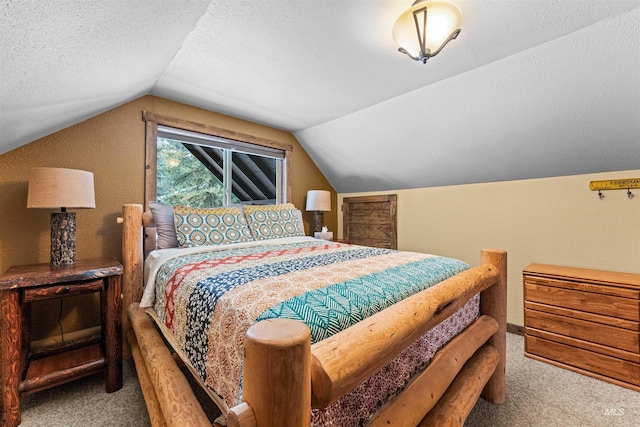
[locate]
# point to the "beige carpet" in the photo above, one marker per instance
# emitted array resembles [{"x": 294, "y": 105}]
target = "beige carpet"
[
  {"x": 538, "y": 394},
  {"x": 84, "y": 403}
]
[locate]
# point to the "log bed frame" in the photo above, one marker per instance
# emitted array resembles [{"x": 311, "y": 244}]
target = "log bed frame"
[{"x": 285, "y": 376}]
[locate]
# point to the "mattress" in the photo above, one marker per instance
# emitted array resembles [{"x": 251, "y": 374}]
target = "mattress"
[{"x": 205, "y": 299}]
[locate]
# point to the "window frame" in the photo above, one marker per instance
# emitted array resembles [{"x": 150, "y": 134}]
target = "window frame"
[{"x": 153, "y": 120}]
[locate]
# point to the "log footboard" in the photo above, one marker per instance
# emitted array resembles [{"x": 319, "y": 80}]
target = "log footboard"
[
  {"x": 170, "y": 391},
  {"x": 424, "y": 392},
  {"x": 146, "y": 385},
  {"x": 448, "y": 385},
  {"x": 285, "y": 376},
  {"x": 458, "y": 401}
]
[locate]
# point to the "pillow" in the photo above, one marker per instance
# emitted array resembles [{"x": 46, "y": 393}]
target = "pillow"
[
  {"x": 210, "y": 226},
  {"x": 274, "y": 221},
  {"x": 165, "y": 228}
]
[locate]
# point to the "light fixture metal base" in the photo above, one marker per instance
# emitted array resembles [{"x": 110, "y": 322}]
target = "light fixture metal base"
[{"x": 426, "y": 53}]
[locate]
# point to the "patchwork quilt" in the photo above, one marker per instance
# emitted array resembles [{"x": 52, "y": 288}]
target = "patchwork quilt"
[{"x": 208, "y": 298}]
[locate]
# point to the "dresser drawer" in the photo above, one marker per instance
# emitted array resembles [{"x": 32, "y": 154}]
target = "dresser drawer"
[
  {"x": 586, "y": 345},
  {"x": 599, "y": 364},
  {"x": 598, "y": 333},
  {"x": 599, "y": 303},
  {"x": 589, "y": 317},
  {"x": 615, "y": 289},
  {"x": 62, "y": 290}
]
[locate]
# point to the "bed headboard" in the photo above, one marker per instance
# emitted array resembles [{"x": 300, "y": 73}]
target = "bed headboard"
[{"x": 149, "y": 233}]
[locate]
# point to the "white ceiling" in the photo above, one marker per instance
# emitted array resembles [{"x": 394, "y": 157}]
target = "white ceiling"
[{"x": 530, "y": 88}]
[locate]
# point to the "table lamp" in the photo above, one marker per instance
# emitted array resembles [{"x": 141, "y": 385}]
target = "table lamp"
[
  {"x": 53, "y": 188},
  {"x": 318, "y": 201}
]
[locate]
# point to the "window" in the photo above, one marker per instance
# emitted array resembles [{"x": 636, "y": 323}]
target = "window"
[{"x": 207, "y": 169}]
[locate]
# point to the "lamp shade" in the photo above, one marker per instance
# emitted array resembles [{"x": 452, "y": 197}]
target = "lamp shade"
[
  {"x": 319, "y": 200},
  {"x": 443, "y": 19},
  {"x": 60, "y": 188}
]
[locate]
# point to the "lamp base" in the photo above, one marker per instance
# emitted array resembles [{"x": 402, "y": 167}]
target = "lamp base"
[
  {"x": 63, "y": 238},
  {"x": 317, "y": 220}
]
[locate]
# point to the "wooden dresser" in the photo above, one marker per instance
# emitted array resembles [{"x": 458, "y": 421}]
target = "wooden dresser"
[{"x": 587, "y": 321}]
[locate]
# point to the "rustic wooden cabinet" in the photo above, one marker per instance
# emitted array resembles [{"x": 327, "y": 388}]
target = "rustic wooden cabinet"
[
  {"x": 23, "y": 370},
  {"x": 584, "y": 320},
  {"x": 371, "y": 220}
]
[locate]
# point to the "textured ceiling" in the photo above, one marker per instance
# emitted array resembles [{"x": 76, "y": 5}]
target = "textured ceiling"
[{"x": 530, "y": 88}]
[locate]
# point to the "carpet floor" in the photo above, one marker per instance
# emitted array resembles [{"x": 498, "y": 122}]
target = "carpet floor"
[{"x": 538, "y": 394}]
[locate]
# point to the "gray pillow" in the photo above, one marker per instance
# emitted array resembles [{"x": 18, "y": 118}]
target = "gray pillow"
[{"x": 165, "y": 227}]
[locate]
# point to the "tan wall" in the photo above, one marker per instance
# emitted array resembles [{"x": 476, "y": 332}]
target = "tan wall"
[
  {"x": 111, "y": 146},
  {"x": 551, "y": 220}
]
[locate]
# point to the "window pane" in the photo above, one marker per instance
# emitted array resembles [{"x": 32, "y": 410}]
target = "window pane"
[
  {"x": 202, "y": 170},
  {"x": 254, "y": 178},
  {"x": 189, "y": 174}
]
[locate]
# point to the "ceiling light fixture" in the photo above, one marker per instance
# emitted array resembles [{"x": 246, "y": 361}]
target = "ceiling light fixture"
[{"x": 426, "y": 27}]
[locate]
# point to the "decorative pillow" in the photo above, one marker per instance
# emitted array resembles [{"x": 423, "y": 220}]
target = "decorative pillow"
[
  {"x": 210, "y": 226},
  {"x": 165, "y": 228},
  {"x": 274, "y": 221}
]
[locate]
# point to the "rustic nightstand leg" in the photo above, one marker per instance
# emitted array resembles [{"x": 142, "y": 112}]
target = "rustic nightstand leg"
[
  {"x": 10, "y": 357},
  {"x": 112, "y": 324}
]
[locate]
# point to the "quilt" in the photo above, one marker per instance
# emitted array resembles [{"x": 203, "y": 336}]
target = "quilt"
[{"x": 208, "y": 297}]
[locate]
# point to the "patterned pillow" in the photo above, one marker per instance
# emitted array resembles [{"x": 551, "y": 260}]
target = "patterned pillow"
[
  {"x": 210, "y": 226},
  {"x": 274, "y": 221}
]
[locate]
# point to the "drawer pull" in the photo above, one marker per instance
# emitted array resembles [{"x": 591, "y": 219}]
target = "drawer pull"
[{"x": 65, "y": 290}]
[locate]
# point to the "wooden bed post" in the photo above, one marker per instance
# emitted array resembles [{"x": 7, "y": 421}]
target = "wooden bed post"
[
  {"x": 276, "y": 375},
  {"x": 133, "y": 263},
  {"x": 493, "y": 302}
]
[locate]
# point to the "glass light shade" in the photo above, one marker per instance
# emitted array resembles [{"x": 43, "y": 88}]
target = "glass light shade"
[{"x": 443, "y": 18}]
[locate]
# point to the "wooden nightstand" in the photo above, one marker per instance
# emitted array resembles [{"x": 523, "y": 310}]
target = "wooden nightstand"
[{"x": 23, "y": 371}]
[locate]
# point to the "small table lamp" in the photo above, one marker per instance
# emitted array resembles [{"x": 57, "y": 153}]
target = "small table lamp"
[
  {"x": 52, "y": 188},
  {"x": 318, "y": 201}
]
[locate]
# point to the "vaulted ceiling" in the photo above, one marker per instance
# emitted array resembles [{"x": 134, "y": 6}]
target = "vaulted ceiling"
[{"x": 530, "y": 88}]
